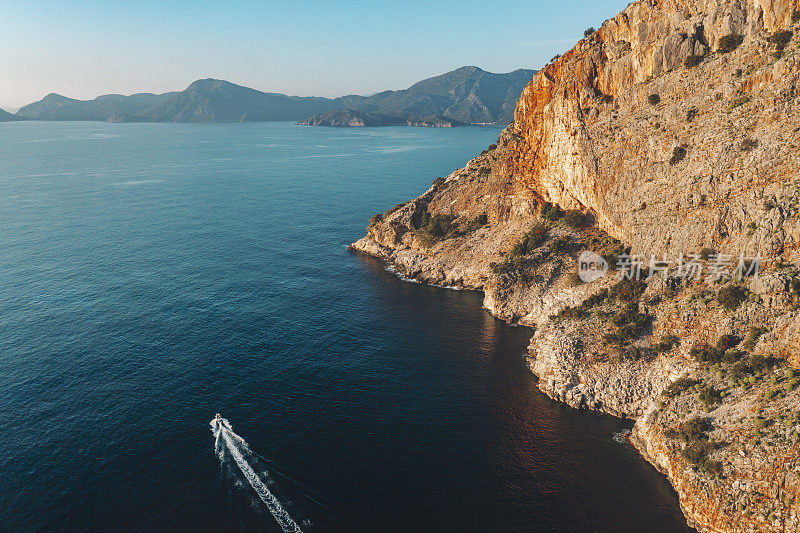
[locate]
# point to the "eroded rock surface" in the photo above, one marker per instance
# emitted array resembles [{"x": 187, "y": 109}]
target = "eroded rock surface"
[{"x": 674, "y": 130}]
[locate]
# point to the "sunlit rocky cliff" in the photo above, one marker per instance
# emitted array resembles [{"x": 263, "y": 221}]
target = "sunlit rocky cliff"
[{"x": 670, "y": 132}]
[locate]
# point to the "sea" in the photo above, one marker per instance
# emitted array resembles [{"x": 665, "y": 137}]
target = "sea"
[{"x": 154, "y": 275}]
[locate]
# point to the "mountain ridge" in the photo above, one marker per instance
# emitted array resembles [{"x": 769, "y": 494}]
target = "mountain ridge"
[{"x": 5, "y": 116}]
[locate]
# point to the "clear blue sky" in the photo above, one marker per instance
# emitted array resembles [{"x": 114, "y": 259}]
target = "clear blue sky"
[{"x": 83, "y": 49}]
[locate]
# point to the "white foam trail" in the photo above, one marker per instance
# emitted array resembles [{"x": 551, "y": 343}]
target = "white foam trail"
[
  {"x": 393, "y": 270},
  {"x": 134, "y": 183},
  {"x": 223, "y": 432}
]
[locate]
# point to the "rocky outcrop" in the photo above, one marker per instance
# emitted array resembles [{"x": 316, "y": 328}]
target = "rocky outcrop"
[
  {"x": 590, "y": 138},
  {"x": 347, "y": 118},
  {"x": 747, "y": 475},
  {"x": 558, "y": 356},
  {"x": 674, "y": 129}
]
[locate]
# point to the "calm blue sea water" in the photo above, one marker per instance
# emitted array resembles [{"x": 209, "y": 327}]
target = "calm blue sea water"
[{"x": 154, "y": 274}]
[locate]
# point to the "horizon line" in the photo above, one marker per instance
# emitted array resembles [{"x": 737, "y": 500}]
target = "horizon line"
[{"x": 15, "y": 109}]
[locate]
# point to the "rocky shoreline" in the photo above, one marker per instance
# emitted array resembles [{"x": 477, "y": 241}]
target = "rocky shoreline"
[
  {"x": 669, "y": 132},
  {"x": 348, "y": 118},
  {"x": 569, "y": 370}
]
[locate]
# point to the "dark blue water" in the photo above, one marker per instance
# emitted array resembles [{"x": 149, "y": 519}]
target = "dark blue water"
[{"x": 154, "y": 274}]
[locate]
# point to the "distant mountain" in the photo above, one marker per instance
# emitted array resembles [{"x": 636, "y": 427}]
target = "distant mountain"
[
  {"x": 212, "y": 100},
  {"x": 206, "y": 100},
  {"x": 351, "y": 118},
  {"x": 5, "y": 116},
  {"x": 468, "y": 95},
  {"x": 57, "y": 107}
]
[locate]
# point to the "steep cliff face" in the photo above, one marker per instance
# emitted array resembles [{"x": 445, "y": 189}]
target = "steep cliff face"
[
  {"x": 739, "y": 468},
  {"x": 673, "y": 129},
  {"x": 591, "y": 137}
]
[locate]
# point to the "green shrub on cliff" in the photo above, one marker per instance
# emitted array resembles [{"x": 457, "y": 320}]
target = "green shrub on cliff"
[
  {"x": 577, "y": 219},
  {"x": 729, "y": 43},
  {"x": 752, "y": 338},
  {"x": 595, "y": 299},
  {"x": 515, "y": 261},
  {"x": 634, "y": 353},
  {"x": 395, "y": 208},
  {"x": 696, "y": 451},
  {"x": 760, "y": 423},
  {"x": 604, "y": 245},
  {"x": 375, "y": 219},
  {"x": 559, "y": 246},
  {"x": 748, "y": 145},
  {"x": 732, "y": 355},
  {"x": 706, "y": 253},
  {"x": 678, "y": 154},
  {"x": 717, "y": 354},
  {"x": 795, "y": 285},
  {"x": 707, "y": 354},
  {"x": 738, "y": 101},
  {"x": 692, "y": 61},
  {"x": 771, "y": 394},
  {"x": 679, "y": 386},
  {"x": 697, "y": 454},
  {"x": 509, "y": 264},
  {"x": 758, "y": 363},
  {"x": 666, "y": 343},
  {"x": 551, "y": 212},
  {"x": 712, "y": 467},
  {"x": 731, "y": 297},
  {"x": 629, "y": 322},
  {"x": 698, "y": 448},
  {"x": 781, "y": 38},
  {"x": 709, "y": 396},
  {"x": 434, "y": 228},
  {"x": 691, "y": 430},
  {"x": 629, "y": 315},
  {"x": 477, "y": 222},
  {"x": 534, "y": 238},
  {"x": 728, "y": 341},
  {"x": 627, "y": 290},
  {"x": 630, "y": 325}
]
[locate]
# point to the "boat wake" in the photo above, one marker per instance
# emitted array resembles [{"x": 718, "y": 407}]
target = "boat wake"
[{"x": 229, "y": 445}]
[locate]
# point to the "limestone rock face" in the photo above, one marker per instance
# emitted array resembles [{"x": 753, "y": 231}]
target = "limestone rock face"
[
  {"x": 676, "y": 128},
  {"x": 589, "y": 138},
  {"x": 557, "y": 356},
  {"x": 756, "y": 487}
]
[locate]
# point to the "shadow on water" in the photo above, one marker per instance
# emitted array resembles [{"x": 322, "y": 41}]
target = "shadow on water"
[{"x": 542, "y": 465}]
